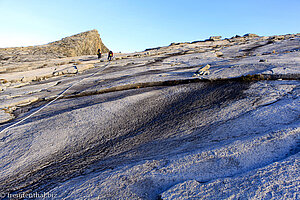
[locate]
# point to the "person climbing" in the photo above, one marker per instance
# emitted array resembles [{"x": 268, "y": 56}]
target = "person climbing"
[
  {"x": 99, "y": 53},
  {"x": 110, "y": 55}
]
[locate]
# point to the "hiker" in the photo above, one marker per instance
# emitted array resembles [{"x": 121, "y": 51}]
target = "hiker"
[
  {"x": 110, "y": 55},
  {"x": 99, "y": 53}
]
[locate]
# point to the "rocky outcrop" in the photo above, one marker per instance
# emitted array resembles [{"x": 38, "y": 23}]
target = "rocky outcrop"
[
  {"x": 214, "y": 38},
  {"x": 250, "y": 35},
  {"x": 86, "y": 43}
]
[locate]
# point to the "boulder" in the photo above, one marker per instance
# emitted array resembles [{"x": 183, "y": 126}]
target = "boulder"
[
  {"x": 237, "y": 39},
  {"x": 250, "y": 35},
  {"x": 219, "y": 54},
  {"x": 174, "y": 44},
  {"x": 214, "y": 38},
  {"x": 203, "y": 71},
  {"x": 277, "y": 37}
]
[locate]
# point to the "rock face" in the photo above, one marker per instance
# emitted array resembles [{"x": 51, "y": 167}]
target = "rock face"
[
  {"x": 86, "y": 43},
  {"x": 142, "y": 127}
]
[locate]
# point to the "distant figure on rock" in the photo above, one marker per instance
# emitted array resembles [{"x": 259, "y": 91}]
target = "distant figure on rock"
[
  {"x": 99, "y": 53},
  {"x": 110, "y": 55}
]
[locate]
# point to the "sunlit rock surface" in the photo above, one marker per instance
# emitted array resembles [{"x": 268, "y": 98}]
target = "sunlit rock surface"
[{"x": 149, "y": 125}]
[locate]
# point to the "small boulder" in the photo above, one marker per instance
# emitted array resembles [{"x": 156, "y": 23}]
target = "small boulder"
[
  {"x": 174, "y": 43},
  {"x": 278, "y": 37},
  {"x": 219, "y": 54},
  {"x": 214, "y": 38},
  {"x": 250, "y": 35},
  {"x": 203, "y": 71}
]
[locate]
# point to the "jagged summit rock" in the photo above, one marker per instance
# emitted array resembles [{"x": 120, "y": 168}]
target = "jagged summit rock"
[{"x": 85, "y": 43}]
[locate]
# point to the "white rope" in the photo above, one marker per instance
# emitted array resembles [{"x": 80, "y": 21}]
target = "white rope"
[{"x": 59, "y": 96}]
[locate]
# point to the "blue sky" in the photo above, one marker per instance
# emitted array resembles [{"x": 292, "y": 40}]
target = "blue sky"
[{"x": 134, "y": 25}]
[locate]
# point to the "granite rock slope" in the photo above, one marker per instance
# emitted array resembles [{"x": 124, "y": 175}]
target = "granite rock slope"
[{"x": 148, "y": 125}]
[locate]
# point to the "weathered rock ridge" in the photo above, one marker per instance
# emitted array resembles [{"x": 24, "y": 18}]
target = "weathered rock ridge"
[{"x": 86, "y": 43}]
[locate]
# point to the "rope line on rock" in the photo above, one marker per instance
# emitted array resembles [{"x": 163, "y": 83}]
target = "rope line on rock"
[{"x": 46, "y": 105}]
